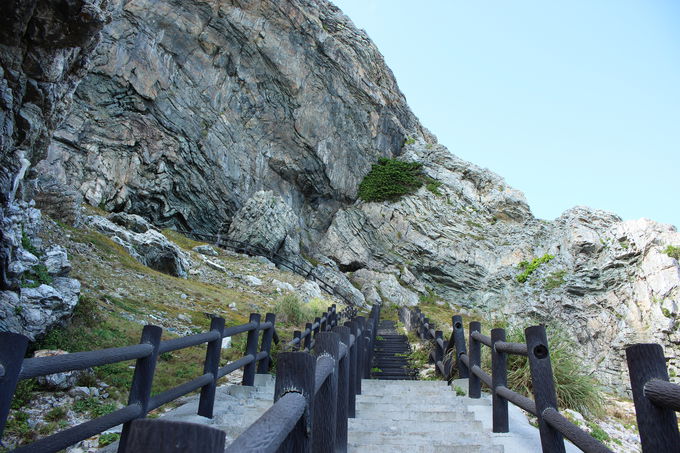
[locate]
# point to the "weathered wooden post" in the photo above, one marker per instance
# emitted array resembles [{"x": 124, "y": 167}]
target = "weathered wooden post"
[
  {"x": 267, "y": 336},
  {"x": 142, "y": 379},
  {"x": 658, "y": 425},
  {"x": 323, "y": 321},
  {"x": 295, "y": 374},
  {"x": 474, "y": 384},
  {"x": 353, "y": 367},
  {"x": 297, "y": 334},
  {"x": 335, "y": 315},
  {"x": 421, "y": 326},
  {"x": 343, "y": 389},
  {"x": 170, "y": 436},
  {"x": 544, "y": 388},
  {"x": 361, "y": 350},
  {"x": 499, "y": 377},
  {"x": 326, "y": 402},
  {"x": 12, "y": 349},
  {"x": 211, "y": 365},
  {"x": 317, "y": 329},
  {"x": 458, "y": 336},
  {"x": 438, "y": 351},
  {"x": 308, "y": 338},
  {"x": 251, "y": 349}
]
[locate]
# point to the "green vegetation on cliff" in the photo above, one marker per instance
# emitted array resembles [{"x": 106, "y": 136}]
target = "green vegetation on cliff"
[
  {"x": 528, "y": 267},
  {"x": 391, "y": 179}
]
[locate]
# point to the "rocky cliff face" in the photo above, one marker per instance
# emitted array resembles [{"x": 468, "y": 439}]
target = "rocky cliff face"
[
  {"x": 608, "y": 282},
  {"x": 194, "y": 112},
  {"x": 192, "y": 107}
]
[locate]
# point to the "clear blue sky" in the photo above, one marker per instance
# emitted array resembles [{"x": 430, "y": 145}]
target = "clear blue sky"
[{"x": 573, "y": 102}]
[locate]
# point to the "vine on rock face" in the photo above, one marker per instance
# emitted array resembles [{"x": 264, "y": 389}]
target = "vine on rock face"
[
  {"x": 390, "y": 179},
  {"x": 528, "y": 268}
]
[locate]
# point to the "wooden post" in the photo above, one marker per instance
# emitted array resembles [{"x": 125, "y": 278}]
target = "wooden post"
[
  {"x": 211, "y": 365},
  {"x": 335, "y": 315},
  {"x": 343, "y": 391},
  {"x": 171, "y": 436},
  {"x": 308, "y": 338},
  {"x": 267, "y": 335},
  {"x": 499, "y": 377},
  {"x": 658, "y": 426},
  {"x": 351, "y": 411},
  {"x": 251, "y": 349},
  {"x": 295, "y": 373},
  {"x": 421, "y": 326},
  {"x": 438, "y": 352},
  {"x": 326, "y": 402},
  {"x": 12, "y": 350},
  {"x": 323, "y": 321},
  {"x": 317, "y": 323},
  {"x": 361, "y": 351},
  {"x": 297, "y": 334},
  {"x": 459, "y": 344},
  {"x": 474, "y": 384},
  {"x": 368, "y": 348},
  {"x": 142, "y": 380},
  {"x": 544, "y": 388}
]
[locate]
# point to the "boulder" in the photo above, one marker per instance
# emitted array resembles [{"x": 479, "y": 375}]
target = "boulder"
[
  {"x": 150, "y": 248},
  {"x": 340, "y": 284},
  {"x": 386, "y": 286},
  {"x": 132, "y": 222},
  {"x": 284, "y": 286},
  {"x": 309, "y": 290},
  {"x": 56, "y": 261},
  {"x": 264, "y": 221},
  {"x": 205, "y": 250},
  {"x": 33, "y": 311}
]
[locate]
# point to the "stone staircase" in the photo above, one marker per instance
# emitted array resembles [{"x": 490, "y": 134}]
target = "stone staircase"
[
  {"x": 391, "y": 416},
  {"x": 416, "y": 416},
  {"x": 390, "y": 354}
]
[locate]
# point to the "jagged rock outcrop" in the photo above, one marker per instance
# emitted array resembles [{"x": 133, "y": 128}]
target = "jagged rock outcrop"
[
  {"x": 214, "y": 101},
  {"x": 265, "y": 221},
  {"x": 142, "y": 242},
  {"x": 609, "y": 283},
  {"x": 44, "y": 53}
]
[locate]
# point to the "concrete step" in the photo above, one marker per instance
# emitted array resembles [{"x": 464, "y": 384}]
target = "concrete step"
[
  {"x": 413, "y": 448},
  {"x": 415, "y": 437},
  {"x": 437, "y": 416},
  {"x": 459, "y": 423}
]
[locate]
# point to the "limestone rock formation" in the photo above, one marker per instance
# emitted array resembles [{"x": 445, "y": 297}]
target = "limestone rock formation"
[
  {"x": 33, "y": 311},
  {"x": 214, "y": 101},
  {"x": 149, "y": 247},
  {"x": 609, "y": 281},
  {"x": 44, "y": 52},
  {"x": 265, "y": 221}
]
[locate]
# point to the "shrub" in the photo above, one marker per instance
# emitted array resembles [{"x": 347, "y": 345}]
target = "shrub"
[
  {"x": 528, "y": 268},
  {"x": 409, "y": 141},
  {"x": 433, "y": 186},
  {"x": 290, "y": 309},
  {"x": 673, "y": 251},
  {"x": 575, "y": 389},
  {"x": 390, "y": 179},
  {"x": 27, "y": 244}
]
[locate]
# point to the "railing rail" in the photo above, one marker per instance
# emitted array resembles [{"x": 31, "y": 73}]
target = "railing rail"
[
  {"x": 553, "y": 427},
  {"x": 315, "y": 394},
  {"x": 15, "y": 368},
  {"x": 277, "y": 258}
]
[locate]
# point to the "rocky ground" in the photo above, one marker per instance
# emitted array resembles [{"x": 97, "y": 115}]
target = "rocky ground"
[{"x": 118, "y": 296}]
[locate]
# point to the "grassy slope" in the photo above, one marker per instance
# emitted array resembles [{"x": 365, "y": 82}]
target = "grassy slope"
[{"x": 119, "y": 295}]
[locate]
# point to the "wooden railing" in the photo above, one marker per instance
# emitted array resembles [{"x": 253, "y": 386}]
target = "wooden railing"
[
  {"x": 277, "y": 258},
  {"x": 315, "y": 393},
  {"x": 353, "y": 359},
  {"x": 655, "y": 398}
]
